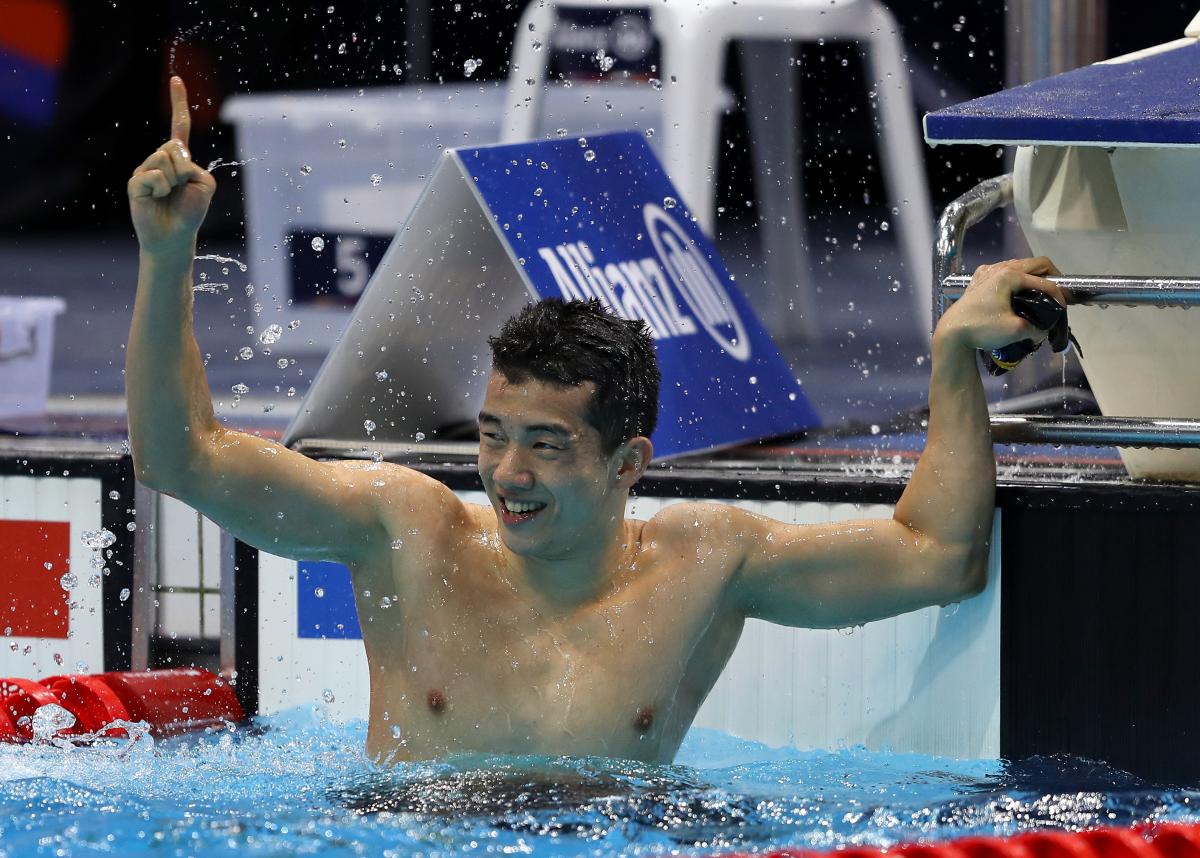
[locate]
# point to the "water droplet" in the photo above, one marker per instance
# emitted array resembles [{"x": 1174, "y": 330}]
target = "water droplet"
[
  {"x": 97, "y": 539},
  {"x": 124, "y": 596},
  {"x": 670, "y": 202},
  {"x": 305, "y": 169},
  {"x": 318, "y": 243},
  {"x": 342, "y": 143},
  {"x": 240, "y": 389},
  {"x": 114, "y": 495},
  {"x": 319, "y": 592},
  {"x": 420, "y": 436},
  {"x": 271, "y": 334},
  {"x": 381, "y": 375},
  {"x": 397, "y": 544},
  {"x": 395, "y": 731},
  {"x": 369, "y": 425},
  {"x": 385, "y": 603},
  {"x": 281, "y": 363},
  {"x": 471, "y": 66},
  {"x": 327, "y": 696},
  {"x": 131, "y": 526},
  {"x": 375, "y": 180},
  {"x": 245, "y": 353},
  {"x": 589, "y": 155},
  {"x": 69, "y": 581},
  {"x": 875, "y": 429},
  {"x": 537, "y": 46},
  {"x": 342, "y": 48},
  {"x": 655, "y": 83},
  {"x": 883, "y": 226}
]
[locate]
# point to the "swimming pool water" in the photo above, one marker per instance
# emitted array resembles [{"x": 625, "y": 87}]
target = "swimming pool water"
[{"x": 297, "y": 784}]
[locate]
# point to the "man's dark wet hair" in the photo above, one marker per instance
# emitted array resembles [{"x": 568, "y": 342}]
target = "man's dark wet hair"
[{"x": 572, "y": 342}]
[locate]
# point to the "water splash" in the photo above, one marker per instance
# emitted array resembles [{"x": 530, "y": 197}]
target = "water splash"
[
  {"x": 228, "y": 260},
  {"x": 178, "y": 39},
  {"x": 300, "y": 782},
  {"x": 213, "y": 165},
  {"x": 49, "y": 720}
]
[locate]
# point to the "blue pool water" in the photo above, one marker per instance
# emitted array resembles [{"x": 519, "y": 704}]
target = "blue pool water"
[{"x": 299, "y": 785}]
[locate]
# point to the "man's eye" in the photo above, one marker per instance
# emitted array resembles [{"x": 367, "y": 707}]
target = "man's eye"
[
  {"x": 543, "y": 445},
  {"x": 491, "y": 436}
]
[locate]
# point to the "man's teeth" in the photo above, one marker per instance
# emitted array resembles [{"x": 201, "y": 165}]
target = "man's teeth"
[{"x": 518, "y": 507}]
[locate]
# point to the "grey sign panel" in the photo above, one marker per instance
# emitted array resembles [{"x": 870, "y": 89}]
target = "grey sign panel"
[{"x": 412, "y": 362}]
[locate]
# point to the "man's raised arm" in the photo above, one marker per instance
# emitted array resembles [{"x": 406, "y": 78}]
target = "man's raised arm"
[
  {"x": 264, "y": 493},
  {"x": 934, "y": 550}
]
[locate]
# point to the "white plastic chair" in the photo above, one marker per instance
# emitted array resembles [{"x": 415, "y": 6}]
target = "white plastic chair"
[{"x": 693, "y": 35}]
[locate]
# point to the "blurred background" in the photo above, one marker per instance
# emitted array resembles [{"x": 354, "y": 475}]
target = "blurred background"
[{"x": 83, "y": 101}]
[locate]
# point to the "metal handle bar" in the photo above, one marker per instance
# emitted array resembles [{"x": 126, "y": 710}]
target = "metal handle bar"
[
  {"x": 1103, "y": 291},
  {"x": 1097, "y": 431}
]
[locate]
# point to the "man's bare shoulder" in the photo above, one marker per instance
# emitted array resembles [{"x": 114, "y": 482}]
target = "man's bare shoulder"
[
  {"x": 401, "y": 493},
  {"x": 696, "y": 522}
]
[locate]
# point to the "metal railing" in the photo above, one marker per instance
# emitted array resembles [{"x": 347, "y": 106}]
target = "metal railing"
[{"x": 949, "y": 283}]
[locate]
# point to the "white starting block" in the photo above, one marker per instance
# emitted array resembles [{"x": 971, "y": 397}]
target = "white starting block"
[{"x": 1107, "y": 184}]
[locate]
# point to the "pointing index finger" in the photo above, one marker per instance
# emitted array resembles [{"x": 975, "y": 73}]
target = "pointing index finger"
[{"x": 181, "y": 119}]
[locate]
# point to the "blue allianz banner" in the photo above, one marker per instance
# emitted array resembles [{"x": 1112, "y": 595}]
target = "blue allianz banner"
[
  {"x": 325, "y": 602},
  {"x": 598, "y": 218}
]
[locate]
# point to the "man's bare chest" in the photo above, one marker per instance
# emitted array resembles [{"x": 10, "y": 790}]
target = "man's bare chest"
[{"x": 466, "y": 658}]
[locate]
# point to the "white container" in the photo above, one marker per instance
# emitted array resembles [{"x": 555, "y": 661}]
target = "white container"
[
  {"x": 26, "y": 346},
  {"x": 350, "y": 165}
]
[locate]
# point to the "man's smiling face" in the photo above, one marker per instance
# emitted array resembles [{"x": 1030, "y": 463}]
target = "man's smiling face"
[{"x": 543, "y": 466}]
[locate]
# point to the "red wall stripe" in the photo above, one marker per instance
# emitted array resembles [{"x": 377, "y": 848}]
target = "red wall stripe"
[{"x": 32, "y": 601}]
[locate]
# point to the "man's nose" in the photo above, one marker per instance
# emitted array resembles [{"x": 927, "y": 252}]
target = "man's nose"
[{"x": 512, "y": 470}]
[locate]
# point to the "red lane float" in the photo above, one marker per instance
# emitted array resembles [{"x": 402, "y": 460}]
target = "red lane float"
[
  {"x": 176, "y": 701},
  {"x": 1154, "y": 840},
  {"x": 170, "y": 701}
]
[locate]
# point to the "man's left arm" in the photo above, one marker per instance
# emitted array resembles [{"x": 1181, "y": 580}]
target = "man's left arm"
[{"x": 934, "y": 549}]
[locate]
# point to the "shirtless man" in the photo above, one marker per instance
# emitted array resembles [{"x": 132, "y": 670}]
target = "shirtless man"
[{"x": 547, "y": 622}]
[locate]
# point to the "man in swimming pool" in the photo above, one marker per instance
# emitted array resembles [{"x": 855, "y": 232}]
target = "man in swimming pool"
[{"x": 547, "y": 622}]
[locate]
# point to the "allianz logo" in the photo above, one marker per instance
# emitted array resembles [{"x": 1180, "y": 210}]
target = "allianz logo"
[{"x": 675, "y": 292}]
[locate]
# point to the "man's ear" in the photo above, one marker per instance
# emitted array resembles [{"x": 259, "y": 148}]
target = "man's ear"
[{"x": 633, "y": 457}]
